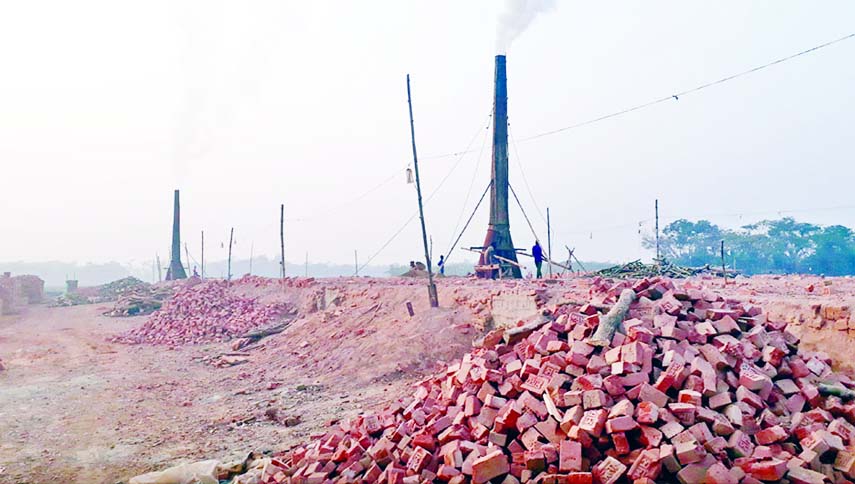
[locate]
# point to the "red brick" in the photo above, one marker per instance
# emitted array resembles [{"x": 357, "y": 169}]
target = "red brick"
[
  {"x": 771, "y": 470},
  {"x": 593, "y": 422},
  {"x": 620, "y": 443},
  {"x": 650, "y": 394},
  {"x": 800, "y": 475},
  {"x": 689, "y": 452},
  {"x": 770, "y": 435},
  {"x": 489, "y": 467},
  {"x": 570, "y": 456},
  {"x": 719, "y": 474},
  {"x": 646, "y": 465},
  {"x": 579, "y": 478},
  {"x": 609, "y": 470},
  {"x": 647, "y": 412},
  {"x": 620, "y": 424}
]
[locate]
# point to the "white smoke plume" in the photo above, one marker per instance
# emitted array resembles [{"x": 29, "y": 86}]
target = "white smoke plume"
[{"x": 517, "y": 16}]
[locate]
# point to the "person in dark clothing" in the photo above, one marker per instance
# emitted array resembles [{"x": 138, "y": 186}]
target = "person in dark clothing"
[
  {"x": 441, "y": 265},
  {"x": 537, "y": 253}
]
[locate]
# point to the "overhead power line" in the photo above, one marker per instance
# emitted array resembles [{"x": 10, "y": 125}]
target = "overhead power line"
[
  {"x": 677, "y": 95},
  {"x": 671, "y": 97},
  {"x": 588, "y": 122},
  {"x": 427, "y": 200}
]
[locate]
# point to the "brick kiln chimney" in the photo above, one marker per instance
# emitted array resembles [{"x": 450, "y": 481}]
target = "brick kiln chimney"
[
  {"x": 176, "y": 270},
  {"x": 499, "y": 229}
]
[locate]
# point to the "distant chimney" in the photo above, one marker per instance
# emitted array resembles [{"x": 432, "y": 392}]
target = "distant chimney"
[
  {"x": 499, "y": 230},
  {"x": 176, "y": 270}
]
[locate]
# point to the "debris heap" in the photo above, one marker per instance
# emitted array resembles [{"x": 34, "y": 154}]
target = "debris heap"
[
  {"x": 110, "y": 291},
  {"x": 141, "y": 300},
  {"x": 116, "y": 289},
  {"x": 203, "y": 313},
  {"x": 663, "y": 268},
  {"x": 694, "y": 389}
]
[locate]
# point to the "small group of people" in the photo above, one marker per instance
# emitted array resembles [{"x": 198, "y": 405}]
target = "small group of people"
[
  {"x": 536, "y": 252},
  {"x": 420, "y": 266}
]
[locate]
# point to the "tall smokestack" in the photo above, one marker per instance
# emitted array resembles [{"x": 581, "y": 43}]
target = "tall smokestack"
[
  {"x": 499, "y": 230},
  {"x": 176, "y": 270}
]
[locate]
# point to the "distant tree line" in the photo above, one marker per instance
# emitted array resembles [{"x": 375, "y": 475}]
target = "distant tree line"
[{"x": 782, "y": 246}]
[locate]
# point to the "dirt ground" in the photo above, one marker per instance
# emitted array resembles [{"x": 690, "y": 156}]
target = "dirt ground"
[{"x": 76, "y": 408}]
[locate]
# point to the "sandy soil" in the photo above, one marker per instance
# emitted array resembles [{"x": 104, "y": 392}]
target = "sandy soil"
[{"x": 76, "y": 408}]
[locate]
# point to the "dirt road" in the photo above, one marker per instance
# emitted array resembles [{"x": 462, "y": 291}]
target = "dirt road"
[{"x": 75, "y": 408}]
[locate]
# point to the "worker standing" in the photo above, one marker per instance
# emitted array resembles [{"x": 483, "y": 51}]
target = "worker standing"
[
  {"x": 537, "y": 253},
  {"x": 441, "y": 265}
]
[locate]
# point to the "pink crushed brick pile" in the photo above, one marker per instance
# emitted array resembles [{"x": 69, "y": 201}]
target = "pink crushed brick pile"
[
  {"x": 203, "y": 313},
  {"x": 699, "y": 390}
]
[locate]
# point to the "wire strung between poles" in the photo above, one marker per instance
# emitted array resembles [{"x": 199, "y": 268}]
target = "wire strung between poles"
[
  {"x": 448, "y": 254},
  {"x": 427, "y": 200}
]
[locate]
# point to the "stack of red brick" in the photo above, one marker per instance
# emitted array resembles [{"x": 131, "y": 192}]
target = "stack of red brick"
[
  {"x": 698, "y": 389},
  {"x": 203, "y": 313}
]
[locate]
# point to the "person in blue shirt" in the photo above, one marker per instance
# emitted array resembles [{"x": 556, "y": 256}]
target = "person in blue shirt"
[
  {"x": 537, "y": 253},
  {"x": 441, "y": 265}
]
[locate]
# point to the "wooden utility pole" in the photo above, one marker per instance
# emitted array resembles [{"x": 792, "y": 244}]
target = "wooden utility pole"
[
  {"x": 356, "y": 262},
  {"x": 432, "y": 295},
  {"x": 203, "y": 255},
  {"x": 282, "y": 237},
  {"x": 569, "y": 259},
  {"x": 229, "y": 271},
  {"x": 723, "y": 269},
  {"x": 657, "y": 231},
  {"x": 549, "y": 240}
]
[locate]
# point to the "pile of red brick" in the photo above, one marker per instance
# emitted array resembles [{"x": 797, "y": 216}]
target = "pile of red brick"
[
  {"x": 698, "y": 390},
  {"x": 206, "y": 312}
]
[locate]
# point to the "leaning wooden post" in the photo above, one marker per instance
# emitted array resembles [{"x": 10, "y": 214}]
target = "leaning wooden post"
[
  {"x": 723, "y": 269},
  {"x": 282, "y": 238},
  {"x": 549, "y": 240},
  {"x": 432, "y": 295},
  {"x": 610, "y": 323},
  {"x": 229, "y": 271},
  {"x": 203, "y": 256},
  {"x": 658, "y": 255}
]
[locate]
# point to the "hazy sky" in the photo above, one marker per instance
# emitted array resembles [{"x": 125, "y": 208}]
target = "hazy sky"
[{"x": 107, "y": 105}]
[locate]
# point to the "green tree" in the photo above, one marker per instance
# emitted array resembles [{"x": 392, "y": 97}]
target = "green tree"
[
  {"x": 687, "y": 243},
  {"x": 783, "y": 246},
  {"x": 833, "y": 252}
]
